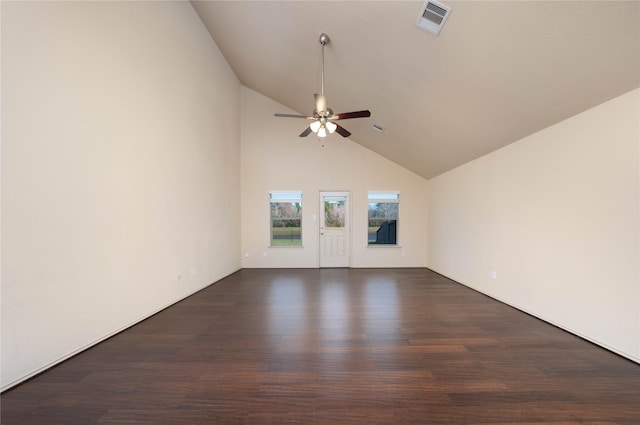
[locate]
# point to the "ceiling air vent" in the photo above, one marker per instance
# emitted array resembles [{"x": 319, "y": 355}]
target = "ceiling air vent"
[{"x": 433, "y": 16}]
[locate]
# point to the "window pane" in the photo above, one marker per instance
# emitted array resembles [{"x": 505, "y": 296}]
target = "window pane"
[
  {"x": 334, "y": 214},
  {"x": 383, "y": 218},
  {"x": 286, "y": 219}
]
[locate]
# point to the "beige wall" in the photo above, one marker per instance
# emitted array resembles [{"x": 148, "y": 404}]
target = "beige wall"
[
  {"x": 120, "y": 171},
  {"x": 275, "y": 158},
  {"x": 128, "y": 147},
  {"x": 556, "y": 216}
]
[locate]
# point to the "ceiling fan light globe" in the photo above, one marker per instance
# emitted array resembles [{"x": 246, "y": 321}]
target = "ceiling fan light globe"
[
  {"x": 331, "y": 126},
  {"x": 322, "y": 132},
  {"x": 315, "y": 126}
]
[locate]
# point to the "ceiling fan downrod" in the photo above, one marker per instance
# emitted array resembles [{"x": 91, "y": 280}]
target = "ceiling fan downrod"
[{"x": 324, "y": 40}]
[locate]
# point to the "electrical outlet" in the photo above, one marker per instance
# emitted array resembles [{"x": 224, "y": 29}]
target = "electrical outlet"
[
  {"x": 494, "y": 275},
  {"x": 194, "y": 271}
]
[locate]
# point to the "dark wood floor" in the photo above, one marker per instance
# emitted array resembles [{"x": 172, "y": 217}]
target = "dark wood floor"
[{"x": 335, "y": 346}]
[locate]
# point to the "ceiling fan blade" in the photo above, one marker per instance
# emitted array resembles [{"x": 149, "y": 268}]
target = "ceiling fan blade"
[
  {"x": 321, "y": 103},
  {"x": 342, "y": 131},
  {"x": 347, "y": 115},
  {"x": 306, "y": 132},
  {"x": 293, "y": 116}
]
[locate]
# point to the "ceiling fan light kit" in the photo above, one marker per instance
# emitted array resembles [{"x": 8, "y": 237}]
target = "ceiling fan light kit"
[{"x": 323, "y": 117}]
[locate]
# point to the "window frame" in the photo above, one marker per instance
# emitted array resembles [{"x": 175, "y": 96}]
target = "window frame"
[{"x": 380, "y": 197}]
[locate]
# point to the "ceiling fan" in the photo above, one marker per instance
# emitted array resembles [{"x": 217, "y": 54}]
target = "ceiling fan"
[{"x": 323, "y": 118}]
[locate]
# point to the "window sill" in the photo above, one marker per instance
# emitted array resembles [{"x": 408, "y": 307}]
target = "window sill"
[
  {"x": 381, "y": 245},
  {"x": 286, "y": 246}
]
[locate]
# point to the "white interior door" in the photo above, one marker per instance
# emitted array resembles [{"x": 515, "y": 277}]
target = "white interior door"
[{"x": 334, "y": 229}]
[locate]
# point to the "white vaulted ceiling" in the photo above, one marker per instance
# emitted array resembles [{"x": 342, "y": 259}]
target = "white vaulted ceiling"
[{"x": 498, "y": 71}]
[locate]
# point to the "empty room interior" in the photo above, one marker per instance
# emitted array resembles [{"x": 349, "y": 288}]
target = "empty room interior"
[{"x": 320, "y": 212}]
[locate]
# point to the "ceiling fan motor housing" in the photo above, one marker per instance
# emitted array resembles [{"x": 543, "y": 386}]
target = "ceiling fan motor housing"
[{"x": 321, "y": 105}]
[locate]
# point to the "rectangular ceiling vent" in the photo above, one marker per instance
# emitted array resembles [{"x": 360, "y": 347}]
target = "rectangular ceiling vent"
[{"x": 433, "y": 16}]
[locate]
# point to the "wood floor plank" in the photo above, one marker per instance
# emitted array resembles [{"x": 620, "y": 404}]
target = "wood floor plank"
[{"x": 335, "y": 346}]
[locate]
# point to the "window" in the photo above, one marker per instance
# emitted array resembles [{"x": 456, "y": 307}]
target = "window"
[
  {"x": 335, "y": 209},
  {"x": 383, "y": 218},
  {"x": 286, "y": 218}
]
